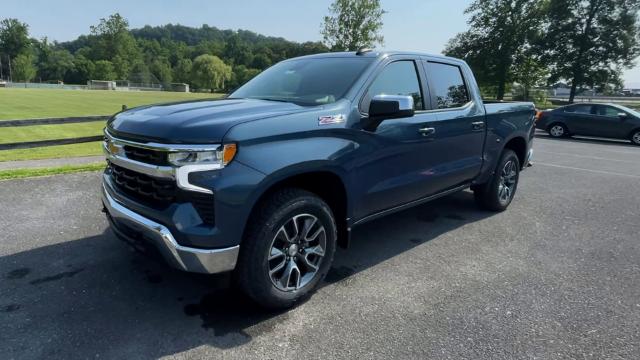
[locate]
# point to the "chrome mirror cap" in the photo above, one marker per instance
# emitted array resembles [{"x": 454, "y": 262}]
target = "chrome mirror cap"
[{"x": 405, "y": 103}]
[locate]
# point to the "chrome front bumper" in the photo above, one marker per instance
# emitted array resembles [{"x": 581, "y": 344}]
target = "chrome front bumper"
[{"x": 206, "y": 261}]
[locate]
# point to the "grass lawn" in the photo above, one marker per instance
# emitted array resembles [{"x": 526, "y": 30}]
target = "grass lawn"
[
  {"x": 53, "y": 152},
  {"x": 46, "y": 103},
  {"x": 50, "y": 132},
  {"x": 24, "y": 173}
]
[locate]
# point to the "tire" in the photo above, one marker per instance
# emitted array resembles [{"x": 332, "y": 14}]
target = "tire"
[
  {"x": 497, "y": 193},
  {"x": 635, "y": 137},
  {"x": 558, "y": 130},
  {"x": 276, "y": 237}
]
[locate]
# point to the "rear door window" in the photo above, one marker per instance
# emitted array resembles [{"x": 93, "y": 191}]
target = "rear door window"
[
  {"x": 447, "y": 84},
  {"x": 579, "y": 109}
]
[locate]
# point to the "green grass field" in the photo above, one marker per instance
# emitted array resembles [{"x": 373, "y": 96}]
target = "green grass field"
[
  {"x": 25, "y": 173},
  {"x": 53, "y": 152},
  {"x": 46, "y": 103},
  {"x": 50, "y": 132}
]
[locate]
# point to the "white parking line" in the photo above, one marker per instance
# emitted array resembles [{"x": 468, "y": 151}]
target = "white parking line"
[
  {"x": 589, "y": 170},
  {"x": 602, "y": 147},
  {"x": 587, "y": 157}
]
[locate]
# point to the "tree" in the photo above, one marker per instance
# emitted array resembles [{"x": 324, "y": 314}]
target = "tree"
[
  {"x": 588, "y": 42},
  {"x": 209, "y": 72},
  {"x": 529, "y": 72},
  {"x": 82, "y": 71},
  {"x": 23, "y": 68},
  {"x": 182, "y": 71},
  {"x": 14, "y": 37},
  {"x": 103, "y": 70},
  {"x": 353, "y": 24},
  {"x": 499, "y": 32},
  {"x": 53, "y": 64},
  {"x": 241, "y": 74},
  {"x": 237, "y": 51},
  {"x": 115, "y": 43},
  {"x": 161, "y": 69},
  {"x": 260, "y": 61}
]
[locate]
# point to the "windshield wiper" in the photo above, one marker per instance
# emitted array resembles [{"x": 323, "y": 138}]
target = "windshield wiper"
[{"x": 274, "y": 99}]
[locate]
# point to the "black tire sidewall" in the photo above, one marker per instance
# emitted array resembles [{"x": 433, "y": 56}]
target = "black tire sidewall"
[
  {"x": 261, "y": 287},
  {"x": 487, "y": 195}
]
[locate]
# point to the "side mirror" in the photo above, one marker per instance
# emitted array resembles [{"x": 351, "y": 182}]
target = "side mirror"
[
  {"x": 384, "y": 107},
  {"x": 622, "y": 115}
]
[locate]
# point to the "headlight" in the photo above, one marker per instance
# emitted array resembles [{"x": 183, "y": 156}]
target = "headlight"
[{"x": 222, "y": 156}]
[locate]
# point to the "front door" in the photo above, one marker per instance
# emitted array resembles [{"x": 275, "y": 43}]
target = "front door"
[{"x": 396, "y": 168}]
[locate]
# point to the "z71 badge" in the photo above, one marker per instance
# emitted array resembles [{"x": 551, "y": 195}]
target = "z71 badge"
[{"x": 331, "y": 119}]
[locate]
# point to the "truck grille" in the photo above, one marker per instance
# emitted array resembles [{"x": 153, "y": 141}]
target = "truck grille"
[
  {"x": 144, "y": 188},
  {"x": 146, "y": 155},
  {"x": 160, "y": 194}
]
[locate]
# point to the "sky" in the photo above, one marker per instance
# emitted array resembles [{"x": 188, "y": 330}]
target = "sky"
[{"x": 420, "y": 25}]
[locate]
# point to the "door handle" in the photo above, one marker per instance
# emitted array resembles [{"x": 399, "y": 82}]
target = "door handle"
[
  {"x": 478, "y": 125},
  {"x": 426, "y": 131}
]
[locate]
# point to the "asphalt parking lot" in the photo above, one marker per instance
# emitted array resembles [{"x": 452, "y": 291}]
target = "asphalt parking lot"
[{"x": 555, "y": 276}]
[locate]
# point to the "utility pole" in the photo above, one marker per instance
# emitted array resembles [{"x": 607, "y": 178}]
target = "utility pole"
[
  {"x": 10, "y": 77},
  {"x": 1, "y": 77}
]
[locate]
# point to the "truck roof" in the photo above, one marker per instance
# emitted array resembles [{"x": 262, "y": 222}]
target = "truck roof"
[{"x": 376, "y": 54}]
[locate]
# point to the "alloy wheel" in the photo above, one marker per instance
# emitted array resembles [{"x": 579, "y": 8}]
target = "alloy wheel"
[
  {"x": 636, "y": 138},
  {"x": 296, "y": 252},
  {"x": 556, "y": 130},
  {"x": 507, "y": 184}
]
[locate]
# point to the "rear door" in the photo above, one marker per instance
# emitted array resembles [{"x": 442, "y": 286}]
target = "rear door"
[{"x": 460, "y": 123}]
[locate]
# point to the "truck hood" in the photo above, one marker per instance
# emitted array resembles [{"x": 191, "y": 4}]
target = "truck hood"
[{"x": 193, "y": 122}]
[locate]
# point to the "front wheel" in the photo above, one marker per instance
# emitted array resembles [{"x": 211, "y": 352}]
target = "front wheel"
[
  {"x": 288, "y": 248},
  {"x": 635, "y": 137},
  {"x": 496, "y": 195}
]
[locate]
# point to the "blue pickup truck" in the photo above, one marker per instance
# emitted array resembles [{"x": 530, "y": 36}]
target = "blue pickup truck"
[{"x": 270, "y": 180}]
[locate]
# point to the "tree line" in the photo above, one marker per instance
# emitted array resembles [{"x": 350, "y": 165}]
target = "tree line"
[
  {"x": 205, "y": 57},
  {"x": 586, "y": 43}
]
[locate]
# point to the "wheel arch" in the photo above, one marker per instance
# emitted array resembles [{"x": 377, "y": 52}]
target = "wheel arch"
[
  {"x": 518, "y": 144},
  {"x": 326, "y": 183},
  {"x": 556, "y": 122},
  {"x": 633, "y": 132}
]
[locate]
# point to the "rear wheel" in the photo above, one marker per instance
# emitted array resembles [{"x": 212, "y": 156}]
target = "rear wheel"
[
  {"x": 288, "y": 248},
  {"x": 635, "y": 137},
  {"x": 558, "y": 130},
  {"x": 496, "y": 195}
]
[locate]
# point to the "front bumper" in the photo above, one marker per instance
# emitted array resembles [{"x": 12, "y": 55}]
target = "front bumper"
[{"x": 135, "y": 228}]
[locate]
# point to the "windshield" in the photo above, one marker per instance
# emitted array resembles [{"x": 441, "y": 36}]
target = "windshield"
[{"x": 306, "y": 82}]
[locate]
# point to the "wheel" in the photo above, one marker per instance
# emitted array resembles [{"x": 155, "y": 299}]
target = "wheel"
[
  {"x": 558, "y": 130},
  {"x": 288, "y": 248},
  {"x": 635, "y": 137},
  {"x": 497, "y": 193}
]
